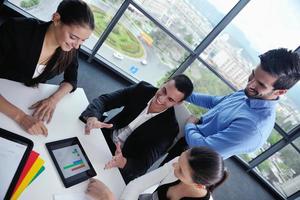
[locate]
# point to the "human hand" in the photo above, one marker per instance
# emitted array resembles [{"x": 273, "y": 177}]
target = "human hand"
[
  {"x": 44, "y": 109},
  {"x": 192, "y": 119},
  {"x": 32, "y": 125},
  {"x": 118, "y": 160},
  {"x": 99, "y": 191},
  {"x": 92, "y": 122}
]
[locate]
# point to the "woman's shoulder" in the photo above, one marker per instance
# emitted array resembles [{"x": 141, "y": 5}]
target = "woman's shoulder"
[{"x": 24, "y": 23}]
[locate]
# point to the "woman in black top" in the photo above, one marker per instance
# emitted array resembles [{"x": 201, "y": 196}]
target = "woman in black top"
[
  {"x": 194, "y": 175},
  {"x": 32, "y": 52}
]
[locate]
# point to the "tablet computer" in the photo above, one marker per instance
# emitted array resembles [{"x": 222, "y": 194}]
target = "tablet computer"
[
  {"x": 70, "y": 161},
  {"x": 14, "y": 152}
]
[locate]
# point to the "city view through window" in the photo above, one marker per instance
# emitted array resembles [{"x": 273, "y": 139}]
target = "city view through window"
[{"x": 139, "y": 48}]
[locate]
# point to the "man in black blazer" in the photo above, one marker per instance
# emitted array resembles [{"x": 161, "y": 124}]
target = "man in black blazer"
[{"x": 146, "y": 127}]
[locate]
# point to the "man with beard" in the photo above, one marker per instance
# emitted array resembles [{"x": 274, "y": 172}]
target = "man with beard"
[{"x": 242, "y": 121}]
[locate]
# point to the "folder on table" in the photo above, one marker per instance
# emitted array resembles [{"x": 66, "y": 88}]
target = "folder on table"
[
  {"x": 32, "y": 158},
  {"x": 35, "y": 168}
]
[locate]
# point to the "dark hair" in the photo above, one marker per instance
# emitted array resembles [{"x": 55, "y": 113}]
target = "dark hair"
[
  {"x": 207, "y": 167},
  {"x": 183, "y": 84},
  {"x": 282, "y": 64},
  {"x": 76, "y": 12},
  {"x": 72, "y": 12}
]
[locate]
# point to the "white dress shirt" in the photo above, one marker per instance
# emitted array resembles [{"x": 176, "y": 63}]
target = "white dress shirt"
[
  {"x": 122, "y": 134},
  {"x": 160, "y": 176},
  {"x": 38, "y": 70}
]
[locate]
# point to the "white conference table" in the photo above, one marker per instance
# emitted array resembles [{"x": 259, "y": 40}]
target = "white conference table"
[{"x": 64, "y": 124}]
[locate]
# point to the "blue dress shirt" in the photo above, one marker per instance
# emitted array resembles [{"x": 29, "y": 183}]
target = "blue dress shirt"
[{"x": 234, "y": 124}]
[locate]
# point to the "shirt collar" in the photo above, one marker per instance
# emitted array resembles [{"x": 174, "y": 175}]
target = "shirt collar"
[
  {"x": 260, "y": 103},
  {"x": 148, "y": 105}
]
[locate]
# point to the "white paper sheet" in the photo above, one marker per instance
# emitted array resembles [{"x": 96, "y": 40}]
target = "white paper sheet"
[{"x": 71, "y": 196}]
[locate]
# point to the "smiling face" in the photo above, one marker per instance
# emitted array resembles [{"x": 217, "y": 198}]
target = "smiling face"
[
  {"x": 182, "y": 169},
  {"x": 69, "y": 36},
  {"x": 166, "y": 97},
  {"x": 260, "y": 85}
]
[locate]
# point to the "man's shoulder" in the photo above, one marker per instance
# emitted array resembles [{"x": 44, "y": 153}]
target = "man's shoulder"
[{"x": 145, "y": 86}]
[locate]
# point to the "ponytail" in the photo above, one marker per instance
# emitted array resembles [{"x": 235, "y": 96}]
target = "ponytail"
[
  {"x": 211, "y": 188},
  {"x": 207, "y": 167}
]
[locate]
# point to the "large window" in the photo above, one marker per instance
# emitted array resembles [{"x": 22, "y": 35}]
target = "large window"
[
  {"x": 189, "y": 20},
  {"x": 282, "y": 170},
  {"x": 141, "y": 49}
]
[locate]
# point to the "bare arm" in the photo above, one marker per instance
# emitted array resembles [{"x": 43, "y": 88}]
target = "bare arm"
[
  {"x": 44, "y": 109},
  {"x": 28, "y": 123}
]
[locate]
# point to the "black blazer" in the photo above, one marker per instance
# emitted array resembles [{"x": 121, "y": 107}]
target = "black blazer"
[
  {"x": 21, "y": 42},
  {"x": 150, "y": 140}
]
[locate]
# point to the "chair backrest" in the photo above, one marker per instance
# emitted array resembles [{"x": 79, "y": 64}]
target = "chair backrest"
[{"x": 182, "y": 114}]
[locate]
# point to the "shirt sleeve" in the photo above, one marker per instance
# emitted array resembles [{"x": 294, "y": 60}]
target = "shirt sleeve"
[
  {"x": 71, "y": 73},
  {"x": 107, "y": 102},
  {"x": 139, "y": 185},
  {"x": 241, "y": 136},
  {"x": 205, "y": 101}
]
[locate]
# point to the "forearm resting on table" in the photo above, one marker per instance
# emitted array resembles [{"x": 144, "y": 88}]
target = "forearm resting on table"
[
  {"x": 10, "y": 110},
  {"x": 63, "y": 89}
]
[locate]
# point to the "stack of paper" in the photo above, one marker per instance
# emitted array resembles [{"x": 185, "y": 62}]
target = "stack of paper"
[{"x": 32, "y": 169}]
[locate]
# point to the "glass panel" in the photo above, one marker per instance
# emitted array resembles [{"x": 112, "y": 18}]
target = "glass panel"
[
  {"x": 288, "y": 111},
  {"x": 282, "y": 170},
  {"x": 103, "y": 12},
  {"x": 140, "y": 49},
  {"x": 189, "y": 20},
  {"x": 234, "y": 53},
  {"x": 297, "y": 143},
  {"x": 273, "y": 138},
  {"x": 40, "y": 9},
  {"x": 205, "y": 82}
]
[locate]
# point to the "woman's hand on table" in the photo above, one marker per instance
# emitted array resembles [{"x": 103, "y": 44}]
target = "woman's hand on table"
[
  {"x": 32, "y": 125},
  {"x": 44, "y": 109}
]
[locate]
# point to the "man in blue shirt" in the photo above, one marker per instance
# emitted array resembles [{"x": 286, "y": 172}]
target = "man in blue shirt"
[{"x": 242, "y": 121}]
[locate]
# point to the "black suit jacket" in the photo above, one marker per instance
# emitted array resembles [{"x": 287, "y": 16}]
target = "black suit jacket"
[
  {"x": 150, "y": 140},
  {"x": 21, "y": 42}
]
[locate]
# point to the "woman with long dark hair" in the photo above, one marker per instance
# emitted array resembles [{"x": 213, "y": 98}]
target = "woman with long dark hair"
[
  {"x": 192, "y": 175},
  {"x": 32, "y": 52}
]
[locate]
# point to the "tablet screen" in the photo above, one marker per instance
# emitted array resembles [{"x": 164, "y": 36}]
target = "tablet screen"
[
  {"x": 11, "y": 154},
  {"x": 71, "y": 160}
]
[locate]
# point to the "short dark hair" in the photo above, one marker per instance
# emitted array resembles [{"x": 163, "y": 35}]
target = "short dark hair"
[
  {"x": 76, "y": 12},
  {"x": 282, "y": 64},
  {"x": 183, "y": 84},
  {"x": 207, "y": 167}
]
